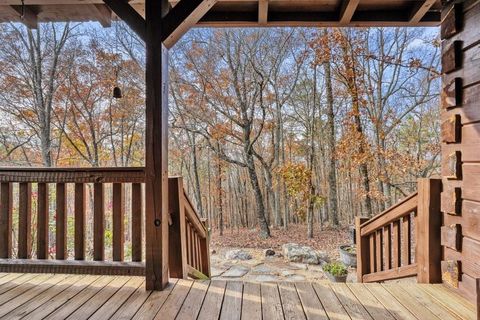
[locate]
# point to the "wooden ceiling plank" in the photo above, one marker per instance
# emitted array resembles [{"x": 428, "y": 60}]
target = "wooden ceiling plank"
[
  {"x": 27, "y": 16},
  {"x": 182, "y": 17},
  {"x": 347, "y": 10},
  {"x": 262, "y": 12},
  {"x": 103, "y": 14},
  {"x": 129, "y": 15},
  {"x": 420, "y": 9}
]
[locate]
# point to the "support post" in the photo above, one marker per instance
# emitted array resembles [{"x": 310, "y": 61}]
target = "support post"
[
  {"x": 428, "y": 231},
  {"x": 156, "y": 151},
  {"x": 178, "y": 234},
  {"x": 362, "y": 250}
]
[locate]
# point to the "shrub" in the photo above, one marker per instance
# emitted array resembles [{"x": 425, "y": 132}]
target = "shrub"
[{"x": 336, "y": 269}]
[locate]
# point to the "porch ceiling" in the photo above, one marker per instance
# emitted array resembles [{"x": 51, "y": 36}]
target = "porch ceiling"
[{"x": 251, "y": 13}]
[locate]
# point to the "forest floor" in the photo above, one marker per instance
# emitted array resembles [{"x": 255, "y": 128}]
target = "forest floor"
[{"x": 274, "y": 268}]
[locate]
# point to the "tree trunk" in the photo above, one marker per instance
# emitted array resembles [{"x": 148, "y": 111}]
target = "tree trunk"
[
  {"x": 260, "y": 206},
  {"x": 332, "y": 176}
]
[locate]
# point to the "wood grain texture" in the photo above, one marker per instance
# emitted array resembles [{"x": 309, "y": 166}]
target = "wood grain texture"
[
  {"x": 137, "y": 221},
  {"x": 452, "y": 236},
  {"x": 25, "y": 221},
  {"x": 6, "y": 219},
  {"x": 98, "y": 222},
  {"x": 80, "y": 205},
  {"x": 42, "y": 221},
  {"x": 61, "y": 222},
  {"x": 76, "y": 297},
  {"x": 118, "y": 208},
  {"x": 156, "y": 148}
]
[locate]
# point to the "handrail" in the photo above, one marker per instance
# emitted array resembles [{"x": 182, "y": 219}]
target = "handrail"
[
  {"x": 398, "y": 210},
  {"x": 73, "y": 175},
  {"x": 70, "y": 185},
  {"x": 386, "y": 243},
  {"x": 187, "y": 231},
  {"x": 189, "y": 234}
]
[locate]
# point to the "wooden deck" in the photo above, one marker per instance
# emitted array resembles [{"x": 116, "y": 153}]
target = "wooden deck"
[{"x": 60, "y": 296}]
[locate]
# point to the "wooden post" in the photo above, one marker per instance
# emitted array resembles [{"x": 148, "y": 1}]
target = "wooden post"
[
  {"x": 25, "y": 221},
  {"x": 137, "y": 221},
  {"x": 61, "y": 222},
  {"x": 80, "y": 208},
  {"x": 98, "y": 222},
  {"x": 6, "y": 209},
  {"x": 42, "y": 221},
  {"x": 362, "y": 250},
  {"x": 428, "y": 225},
  {"x": 118, "y": 221},
  {"x": 177, "y": 233},
  {"x": 205, "y": 251},
  {"x": 156, "y": 149}
]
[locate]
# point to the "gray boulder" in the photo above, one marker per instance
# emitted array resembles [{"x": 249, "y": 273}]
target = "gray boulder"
[
  {"x": 297, "y": 253},
  {"x": 238, "y": 254}
]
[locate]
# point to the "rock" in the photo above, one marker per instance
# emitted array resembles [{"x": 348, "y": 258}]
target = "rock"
[
  {"x": 297, "y": 266},
  {"x": 269, "y": 252},
  {"x": 297, "y": 253},
  {"x": 236, "y": 271},
  {"x": 287, "y": 273},
  {"x": 216, "y": 272},
  {"x": 295, "y": 277},
  {"x": 238, "y": 254},
  {"x": 264, "y": 278},
  {"x": 263, "y": 269}
]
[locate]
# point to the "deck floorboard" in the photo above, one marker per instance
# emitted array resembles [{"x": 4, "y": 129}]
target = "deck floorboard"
[{"x": 57, "y": 296}]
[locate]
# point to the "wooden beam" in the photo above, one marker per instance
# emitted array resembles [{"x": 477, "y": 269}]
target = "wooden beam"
[
  {"x": 27, "y": 16},
  {"x": 156, "y": 148},
  {"x": 128, "y": 14},
  {"x": 347, "y": 10},
  {"x": 262, "y": 12},
  {"x": 181, "y": 18},
  {"x": 103, "y": 14},
  {"x": 420, "y": 9},
  {"x": 428, "y": 250}
]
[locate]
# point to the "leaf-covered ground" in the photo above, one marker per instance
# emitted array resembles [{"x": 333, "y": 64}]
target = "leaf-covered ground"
[{"x": 327, "y": 240}]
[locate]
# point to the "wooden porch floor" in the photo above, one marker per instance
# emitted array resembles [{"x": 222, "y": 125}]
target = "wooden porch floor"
[{"x": 60, "y": 296}]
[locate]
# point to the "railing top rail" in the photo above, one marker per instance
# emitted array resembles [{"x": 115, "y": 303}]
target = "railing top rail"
[
  {"x": 193, "y": 217},
  {"x": 396, "y": 211},
  {"x": 73, "y": 175}
]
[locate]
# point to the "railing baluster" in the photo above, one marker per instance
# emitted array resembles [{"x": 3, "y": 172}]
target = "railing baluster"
[
  {"x": 189, "y": 243},
  {"x": 397, "y": 241},
  {"x": 80, "y": 209},
  {"x": 42, "y": 221},
  {"x": 61, "y": 222},
  {"x": 373, "y": 267},
  {"x": 6, "y": 209},
  {"x": 25, "y": 221},
  {"x": 387, "y": 248},
  {"x": 407, "y": 241},
  {"x": 118, "y": 221},
  {"x": 197, "y": 253},
  {"x": 137, "y": 221},
  {"x": 379, "y": 251},
  {"x": 98, "y": 222}
]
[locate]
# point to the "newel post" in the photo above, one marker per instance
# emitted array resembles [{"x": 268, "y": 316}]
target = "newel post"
[
  {"x": 362, "y": 249},
  {"x": 428, "y": 230},
  {"x": 156, "y": 148},
  {"x": 177, "y": 232}
]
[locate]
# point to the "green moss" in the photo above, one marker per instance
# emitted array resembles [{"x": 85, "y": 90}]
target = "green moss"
[{"x": 336, "y": 269}]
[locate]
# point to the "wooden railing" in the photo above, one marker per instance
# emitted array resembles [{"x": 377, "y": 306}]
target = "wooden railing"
[
  {"x": 404, "y": 240},
  {"x": 41, "y": 242},
  {"x": 189, "y": 242}
]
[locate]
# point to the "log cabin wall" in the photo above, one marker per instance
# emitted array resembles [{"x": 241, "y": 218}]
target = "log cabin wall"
[{"x": 460, "y": 200}]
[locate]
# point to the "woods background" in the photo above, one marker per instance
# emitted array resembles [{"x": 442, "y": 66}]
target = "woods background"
[{"x": 269, "y": 127}]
